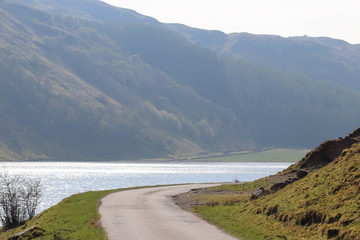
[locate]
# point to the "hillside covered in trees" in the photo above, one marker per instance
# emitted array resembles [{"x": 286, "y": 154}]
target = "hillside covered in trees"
[{"x": 82, "y": 80}]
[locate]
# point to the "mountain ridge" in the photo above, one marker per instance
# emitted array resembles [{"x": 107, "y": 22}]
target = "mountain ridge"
[{"x": 75, "y": 88}]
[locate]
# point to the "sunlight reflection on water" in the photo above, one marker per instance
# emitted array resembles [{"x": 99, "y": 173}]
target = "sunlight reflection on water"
[{"x": 62, "y": 179}]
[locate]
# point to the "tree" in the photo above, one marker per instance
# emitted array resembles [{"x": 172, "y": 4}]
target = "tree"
[{"x": 19, "y": 198}]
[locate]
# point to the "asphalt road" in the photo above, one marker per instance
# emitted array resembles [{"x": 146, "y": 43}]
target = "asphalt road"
[{"x": 150, "y": 214}]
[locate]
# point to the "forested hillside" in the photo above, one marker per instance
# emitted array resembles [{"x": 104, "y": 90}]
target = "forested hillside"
[
  {"x": 81, "y": 80},
  {"x": 317, "y": 58}
]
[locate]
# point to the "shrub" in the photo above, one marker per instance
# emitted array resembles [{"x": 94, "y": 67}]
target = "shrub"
[{"x": 19, "y": 198}]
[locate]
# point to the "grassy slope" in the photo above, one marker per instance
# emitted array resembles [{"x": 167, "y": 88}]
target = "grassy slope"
[
  {"x": 271, "y": 155},
  {"x": 76, "y": 217},
  {"x": 324, "y": 204},
  {"x": 73, "y": 218},
  {"x": 329, "y": 196}
]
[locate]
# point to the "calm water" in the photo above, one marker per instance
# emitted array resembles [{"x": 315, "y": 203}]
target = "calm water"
[{"x": 62, "y": 179}]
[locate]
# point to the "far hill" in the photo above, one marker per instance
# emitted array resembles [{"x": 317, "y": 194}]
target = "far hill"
[
  {"x": 317, "y": 58},
  {"x": 82, "y": 80}
]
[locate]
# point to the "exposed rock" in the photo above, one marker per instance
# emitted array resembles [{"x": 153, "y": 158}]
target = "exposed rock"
[
  {"x": 301, "y": 173},
  {"x": 259, "y": 192},
  {"x": 355, "y": 134},
  {"x": 278, "y": 186},
  {"x": 328, "y": 151},
  {"x": 325, "y": 153},
  {"x": 291, "y": 180}
]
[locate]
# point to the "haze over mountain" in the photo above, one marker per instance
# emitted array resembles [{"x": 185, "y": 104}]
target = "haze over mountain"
[{"x": 82, "y": 80}]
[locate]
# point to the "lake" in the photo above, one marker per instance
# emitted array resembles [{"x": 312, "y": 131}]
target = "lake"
[{"x": 62, "y": 179}]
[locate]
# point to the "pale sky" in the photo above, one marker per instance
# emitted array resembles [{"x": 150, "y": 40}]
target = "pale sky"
[{"x": 332, "y": 18}]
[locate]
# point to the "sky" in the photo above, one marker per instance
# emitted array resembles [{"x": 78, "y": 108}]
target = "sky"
[{"x": 331, "y": 18}]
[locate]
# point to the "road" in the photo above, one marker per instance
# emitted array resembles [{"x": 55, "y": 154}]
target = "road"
[{"x": 150, "y": 214}]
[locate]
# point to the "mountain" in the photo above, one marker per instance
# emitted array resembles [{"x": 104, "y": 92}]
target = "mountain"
[
  {"x": 317, "y": 58},
  {"x": 89, "y": 9},
  {"x": 68, "y": 95},
  {"x": 82, "y": 80}
]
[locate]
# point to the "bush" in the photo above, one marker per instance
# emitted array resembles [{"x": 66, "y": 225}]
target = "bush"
[{"x": 19, "y": 198}]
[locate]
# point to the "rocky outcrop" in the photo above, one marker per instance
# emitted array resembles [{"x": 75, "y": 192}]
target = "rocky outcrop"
[
  {"x": 301, "y": 173},
  {"x": 259, "y": 192},
  {"x": 328, "y": 151},
  {"x": 280, "y": 185},
  {"x": 321, "y": 156},
  {"x": 355, "y": 134}
]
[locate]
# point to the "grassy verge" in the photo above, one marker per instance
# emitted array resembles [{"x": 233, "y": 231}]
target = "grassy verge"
[
  {"x": 323, "y": 205},
  {"x": 271, "y": 155},
  {"x": 75, "y": 218}
]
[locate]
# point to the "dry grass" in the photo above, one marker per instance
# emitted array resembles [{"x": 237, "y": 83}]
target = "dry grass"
[{"x": 323, "y": 205}]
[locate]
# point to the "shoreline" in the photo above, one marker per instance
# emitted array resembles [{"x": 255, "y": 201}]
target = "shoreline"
[{"x": 265, "y": 155}]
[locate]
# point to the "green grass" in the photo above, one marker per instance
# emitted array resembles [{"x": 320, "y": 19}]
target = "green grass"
[
  {"x": 331, "y": 192},
  {"x": 75, "y": 218},
  {"x": 244, "y": 187},
  {"x": 223, "y": 216},
  {"x": 272, "y": 155},
  {"x": 324, "y": 202}
]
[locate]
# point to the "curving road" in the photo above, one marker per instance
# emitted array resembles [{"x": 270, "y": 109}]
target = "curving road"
[{"x": 150, "y": 214}]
